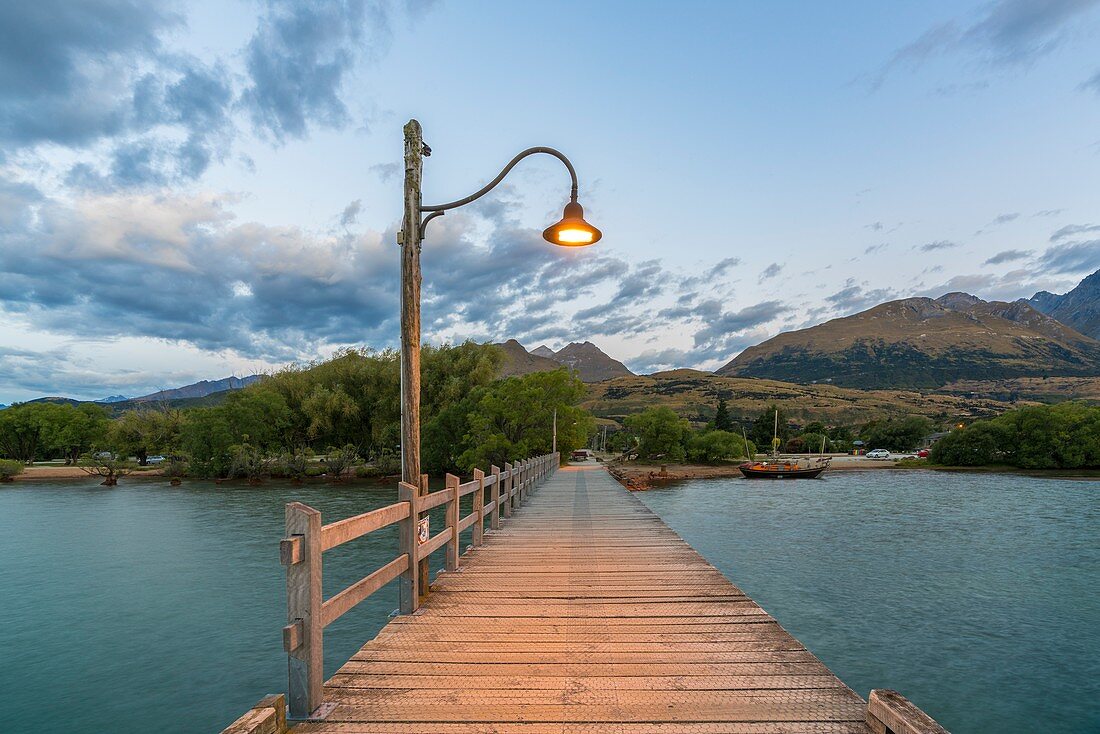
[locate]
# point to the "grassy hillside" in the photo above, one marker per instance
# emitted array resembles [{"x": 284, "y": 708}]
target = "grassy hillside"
[
  {"x": 1037, "y": 389},
  {"x": 923, "y": 343},
  {"x": 694, "y": 394}
]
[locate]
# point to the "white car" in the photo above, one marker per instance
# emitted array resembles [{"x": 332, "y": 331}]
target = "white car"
[{"x": 878, "y": 454}]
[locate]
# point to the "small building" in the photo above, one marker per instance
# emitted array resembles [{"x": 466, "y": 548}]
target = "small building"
[{"x": 932, "y": 438}]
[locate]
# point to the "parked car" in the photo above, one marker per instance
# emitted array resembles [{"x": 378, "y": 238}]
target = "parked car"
[
  {"x": 878, "y": 454},
  {"x": 922, "y": 454},
  {"x": 154, "y": 459}
]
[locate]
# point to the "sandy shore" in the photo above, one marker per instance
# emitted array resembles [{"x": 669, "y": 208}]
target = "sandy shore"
[
  {"x": 638, "y": 476},
  {"x": 66, "y": 472}
]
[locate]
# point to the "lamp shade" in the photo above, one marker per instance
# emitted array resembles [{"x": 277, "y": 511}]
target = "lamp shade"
[{"x": 572, "y": 230}]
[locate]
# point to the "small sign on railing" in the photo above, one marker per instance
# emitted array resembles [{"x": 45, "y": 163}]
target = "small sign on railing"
[{"x": 422, "y": 530}]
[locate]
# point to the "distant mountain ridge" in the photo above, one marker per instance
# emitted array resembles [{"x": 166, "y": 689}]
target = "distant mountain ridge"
[
  {"x": 1080, "y": 308},
  {"x": 924, "y": 343},
  {"x": 194, "y": 391},
  {"x": 199, "y": 389},
  {"x": 589, "y": 362}
]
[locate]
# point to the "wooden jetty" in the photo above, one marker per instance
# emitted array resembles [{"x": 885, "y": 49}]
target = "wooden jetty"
[{"x": 581, "y": 612}]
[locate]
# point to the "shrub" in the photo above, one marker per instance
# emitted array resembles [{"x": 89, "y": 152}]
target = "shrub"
[
  {"x": 9, "y": 469},
  {"x": 714, "y": 446},
  {"x": 174, "y": 467},
  {"x": 661, "y": 433},
  {"x": 291, "y": 465}
]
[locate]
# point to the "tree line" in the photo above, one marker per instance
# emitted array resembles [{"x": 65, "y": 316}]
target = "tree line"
[
  {"x": 346, "y": 410},
  {"x": 1062, "y": 436},
  {"x": 661, "y": 433}
]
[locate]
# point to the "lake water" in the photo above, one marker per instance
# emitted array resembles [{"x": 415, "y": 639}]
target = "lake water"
[
  {"x": 977, "y": 596},
  {"x": 151, "y": 608}
]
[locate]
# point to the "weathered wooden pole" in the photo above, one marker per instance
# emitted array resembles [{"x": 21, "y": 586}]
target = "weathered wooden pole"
[
  {"x": 494, "y": 518},
  {"x": 508, "y": 492},
  {"x": 479, "y": 507},
  {"x": 302, "y": 637},
  {"x": 424, "y": 582},
  {"x": 409, "y": 239},
  {"x": 451, "y": 551},
  {"x": 409, "y": 542}
]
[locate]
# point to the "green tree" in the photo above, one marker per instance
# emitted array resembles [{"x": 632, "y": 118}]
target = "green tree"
[
  {"x": 445, "y": 437},
  {"x": 722, "y": 419},
  {"x": 710, "y": 447},
  {"x": 25, "y": 430},
  {"x": 514, "y": 419},
  {"x": 764, "y": 425},
  {"x": 897, "y": 434},
  {"x": 144, "y": 431},
  {"x": 795, "y": 445},
  {"x": 811, "y": 442},
  {"x": 661, "y": 433},
  {"x": 206, "y": 438},
  {"x": 84, "y": 425},
  {"x": 1063, "y": 436},
  {"x": 979, "y": 445},
  {"x": 260, "y": 418}
]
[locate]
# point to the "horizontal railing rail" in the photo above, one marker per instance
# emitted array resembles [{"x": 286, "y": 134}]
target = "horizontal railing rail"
[
  {"x": 308, "y": 612},
  {"x": 889, "y": 712}
]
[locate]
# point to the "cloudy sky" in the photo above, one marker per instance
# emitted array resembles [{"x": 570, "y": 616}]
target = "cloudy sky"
[{"x": 196, "y": 189}]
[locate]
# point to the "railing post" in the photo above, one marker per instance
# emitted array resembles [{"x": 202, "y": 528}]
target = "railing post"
[
  {"x": 409, "y": 542},
  {"x": 452, "y": 523},
  {"x": 479, "y": 507},
  {"x": 302, "y": 637},
  {"x": 508, "y": 490},
  {"x": 525, "y": 489},
  {"x": 424, "y": 582},
  {"x": 494, "y": 519},
  {"x": 519, "y": 485}
]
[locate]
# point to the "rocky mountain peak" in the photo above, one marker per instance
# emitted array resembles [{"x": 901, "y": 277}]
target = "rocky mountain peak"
[
  {"x": 543, "y": 351},
  {"x": 958, "y": 301},
  {"x": 1079, "y": 309}
]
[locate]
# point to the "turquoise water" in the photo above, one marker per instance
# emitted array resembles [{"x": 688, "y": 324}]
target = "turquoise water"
[
  {"x": 975, "y": 595},
  {"x": 151, "y": 608}
]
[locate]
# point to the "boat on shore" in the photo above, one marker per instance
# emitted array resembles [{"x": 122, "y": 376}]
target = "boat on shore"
[{"x": 783, "y": 469}]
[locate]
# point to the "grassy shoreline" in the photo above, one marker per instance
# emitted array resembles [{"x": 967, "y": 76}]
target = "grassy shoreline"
[{"x": 646, "y": 475}]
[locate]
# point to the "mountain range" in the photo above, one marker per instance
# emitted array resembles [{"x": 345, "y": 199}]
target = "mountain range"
[
  {"x": 584, "y": 359},
  {"x": 1044, "y": 348},
  {"x": 1080, "y": 308},
  {"x": 199, "y": 389},
  {"x": 189, "y": 393},
  {"x": 924, "y": 343}
]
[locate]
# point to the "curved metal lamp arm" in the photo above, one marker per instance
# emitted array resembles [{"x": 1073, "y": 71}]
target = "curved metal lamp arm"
[{"x": 439, "y": 209}]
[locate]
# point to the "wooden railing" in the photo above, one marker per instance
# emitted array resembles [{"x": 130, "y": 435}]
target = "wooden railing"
[
  {"x": 308, "y": 613},
  {"x": 889, "y": 712}
]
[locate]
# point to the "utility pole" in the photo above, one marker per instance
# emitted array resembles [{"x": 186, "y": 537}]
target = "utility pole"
[
  {"x": 409, "y": 239},
  {"x": 571, "y": 231}
]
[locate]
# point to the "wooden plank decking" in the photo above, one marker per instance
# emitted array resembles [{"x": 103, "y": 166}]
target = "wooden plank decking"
[{"x": 586, "y": 613}]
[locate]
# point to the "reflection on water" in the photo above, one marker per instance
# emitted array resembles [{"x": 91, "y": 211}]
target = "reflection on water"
[
  {"x": 150, "y": 608},
  {"x": 975, "y": 595},
  {"x": 146, "y": 608}
]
